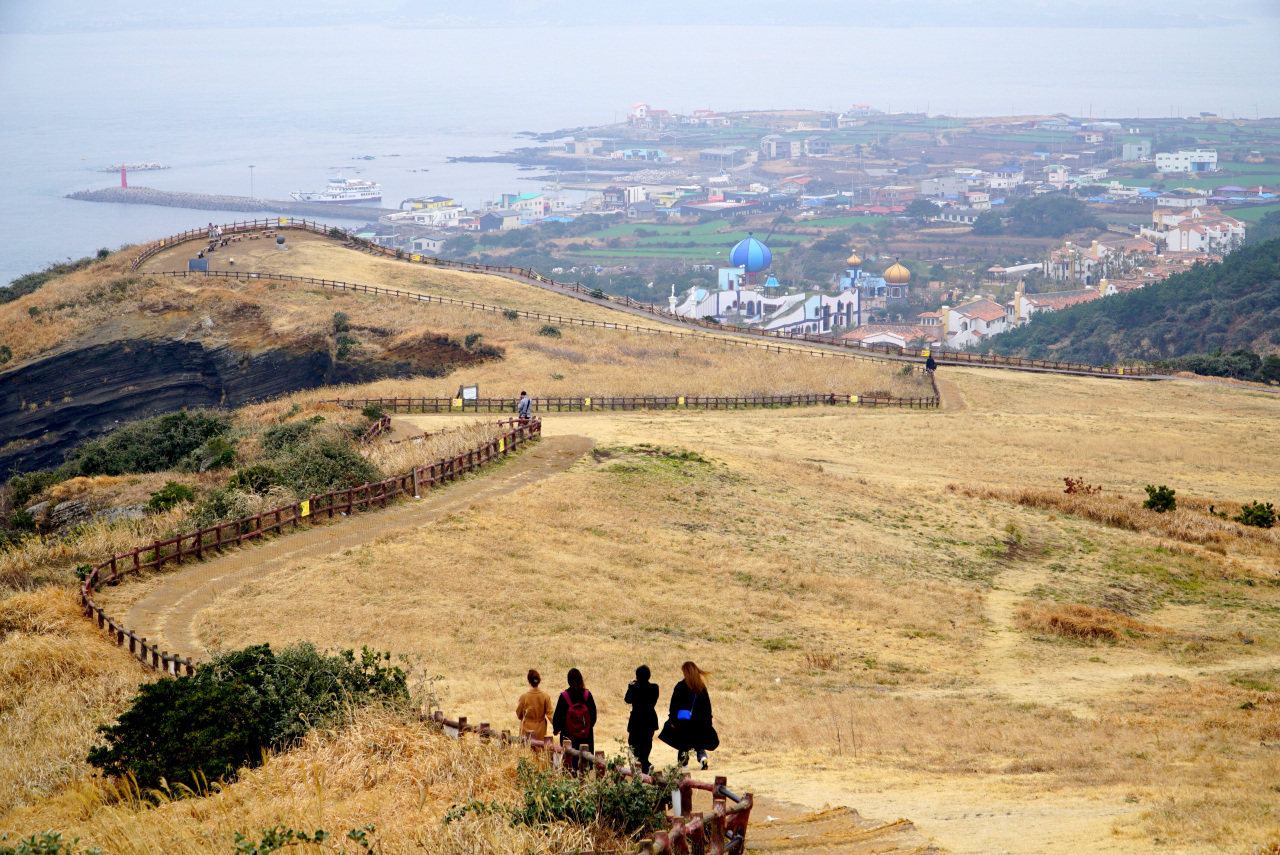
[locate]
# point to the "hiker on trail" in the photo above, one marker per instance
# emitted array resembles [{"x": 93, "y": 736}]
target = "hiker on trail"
[
  {"x": 526, "y": 406},
  {"x": 643, "y": 697},
  {"x": 575, "y": 718},
  {"x": 688, "y": 726},
  {"x": 533, "y": 708},
  {"x": 929, "y": 364}
]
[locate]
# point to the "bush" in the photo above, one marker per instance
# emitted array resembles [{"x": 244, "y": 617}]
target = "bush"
[
  {"x": 255, "y": 479},
  {"x": 283, "y": 437},
  {"x": 152, "y": 445},
  {"x": 1160, "y": 499},
  {"x": 598, "y": 293},
  {"x": 345, "y": 345},
  {"x": 23, "y": 521},
  {"x": 323, "y": 464},
  {"x": 623, "y": 804},
  {"x": 5, "y": 354},
  {"x": 372, "y": 412},
  {"x": 32, "y": 282},
  {"x": 510, "y": 314},
  {"x": 217, "y": 453},
  {"x": 45, "y": 843},
  {"x": 191, "y": 730},
  {"x": 472, "y": 340},
  {"x": 169, "y": 496},
  {"x": 341, "y": 322},
  {"x": 337, "y": 232},
  {"x": 1257, "y": 514},
  {"x": 23, "y": 487},
  {"x": 549, "y": 331}
]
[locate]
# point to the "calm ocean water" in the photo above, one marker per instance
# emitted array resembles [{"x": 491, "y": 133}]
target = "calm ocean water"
[{"x": 298, "y": 103}]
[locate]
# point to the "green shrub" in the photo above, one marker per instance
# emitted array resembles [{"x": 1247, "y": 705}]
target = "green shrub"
[
  {"x": 280, "y": 837},
  {"x": 191, "y": 730},
  {"x": 549, "y": 331},
  {"x": 45, "y": 843},
  {"x": 324, "y": 464},
  {"x": 215, "y": 454},
  {"x": 341, "y": 322},
  {"x": 255, "y": 479},
  {"x": 5, "y": 354},
  {"x": 472, "y": 340},
  {"x": 220, "y": 505},
  {"x": 169, "y": 496},
  {"x": 22, "y": 521},
  {"x": 151, "y": 445},
  {"x": 598, "y": 293},
  {"x": 1160, "y": 499},
  {"x": 31, "y": 282},
  {"x": 1257, "y": 514},
  {"x": 625, "y": 805},
  {"x": 23, "y": 487},
  {"x": 510, "y": 314},
  {"x": 336, "y": 232},
  {"x": 372, "y": 412},
  {"x": 284, "y": 437},
  {"x": 345, "y": 345}
]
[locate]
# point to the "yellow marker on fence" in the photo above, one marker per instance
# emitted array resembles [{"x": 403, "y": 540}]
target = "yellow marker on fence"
[
  {"x": 1121, "y": 370},
  {"x": 162, "y": 243},
  {"x": 680, "y": 400},
  {"x": 586, "y": 403},
  {"x": 415, "y": 257},
  {"x": 284, "y": 221},
  {"x": 853, "y": 399},
  {"x": 457, "y": 403},
  {"x": 925, "y": 354},
  {"x": 502, "y": 444},
  {"x": 304, "y": 508}
]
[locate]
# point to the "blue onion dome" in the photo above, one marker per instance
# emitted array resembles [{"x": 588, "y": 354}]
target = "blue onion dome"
[{"x": 751, "y": 255}]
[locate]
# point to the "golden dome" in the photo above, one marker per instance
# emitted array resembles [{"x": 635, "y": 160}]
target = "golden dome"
[
  {"x": 897, "y": 275},
  {"x": 853, "y": 260}
]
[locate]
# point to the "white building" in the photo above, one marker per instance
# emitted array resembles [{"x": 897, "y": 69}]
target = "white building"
[
  {"x": 778, "y": 147},
  {"x": 1187, "y": 161},
  {"x": 946, "y": 185},
  {"x": 1006, "y": 177},
  {"x": 1058, "y": 176},
  {"x": 806, "y": 312},
  {"x": 1140, "y": 150},
  {"x": 972, "y": 323},
  {"x": 1020, "y": 309},
  {"x": 428, "y": 244}
]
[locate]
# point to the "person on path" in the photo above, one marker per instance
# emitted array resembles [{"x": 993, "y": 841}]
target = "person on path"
[
  {"x": 929, "y": 364},
  {"x": 643, "y": 698},
  {"x": 688, "y": 726},
  {"x": 526, "y": 406},
  {"x": 575, "y": 718},
  {"x": 533, "y": 708}
]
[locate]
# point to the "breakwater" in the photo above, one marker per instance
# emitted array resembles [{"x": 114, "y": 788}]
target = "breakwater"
[{"x": 209, "y": 202}]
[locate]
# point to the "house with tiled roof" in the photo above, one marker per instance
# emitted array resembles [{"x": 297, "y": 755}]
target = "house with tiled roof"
[
  {"x": 1023, "y": 305},
  {"x": 902, "y": 335},
  {"x": 972, "y": 323}
]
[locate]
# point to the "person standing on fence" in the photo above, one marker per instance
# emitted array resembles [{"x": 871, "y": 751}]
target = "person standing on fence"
[
  {"x": 643, "y": 722},
  {"x": 533, "y": 708},
  {"x": 929, "y": 364},
  {"x": 525, "y": 408},
  {"x": 575, "y": 718},
  {"x": 688, "y": 728}
]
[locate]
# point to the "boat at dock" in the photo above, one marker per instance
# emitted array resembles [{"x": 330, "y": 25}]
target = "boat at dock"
[{"x": 343, "y": 191}]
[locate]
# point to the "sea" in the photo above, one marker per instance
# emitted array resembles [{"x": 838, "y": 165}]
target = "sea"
[{"x": 267, "y": 111}]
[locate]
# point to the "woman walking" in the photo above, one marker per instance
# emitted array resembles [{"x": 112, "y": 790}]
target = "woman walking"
[
  {"x": 575, "y": 717},
  {"x": 688, "y": 726},
  {"x": 643, "y": 721},
  {"x": 533, "y": 708}
]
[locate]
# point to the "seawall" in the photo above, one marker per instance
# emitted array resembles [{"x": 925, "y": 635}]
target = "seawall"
[{"x": 207, "y": 202}]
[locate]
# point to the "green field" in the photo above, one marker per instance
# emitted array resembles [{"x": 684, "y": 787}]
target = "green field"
[
  {"x": 1254, "y": 214},
  {"x": 837, "y": 222}
]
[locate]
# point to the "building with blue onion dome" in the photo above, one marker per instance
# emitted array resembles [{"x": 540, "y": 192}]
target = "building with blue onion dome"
[{"x": 751, "y": 255}]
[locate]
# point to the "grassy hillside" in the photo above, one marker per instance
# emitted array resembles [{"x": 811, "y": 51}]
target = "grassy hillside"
[{"x": 1235, "y": 304}]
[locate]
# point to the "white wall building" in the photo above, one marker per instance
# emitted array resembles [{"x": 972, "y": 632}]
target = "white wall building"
[
  {"x": 972, "y": 323},
  {"x": 1187, "y": 161}
]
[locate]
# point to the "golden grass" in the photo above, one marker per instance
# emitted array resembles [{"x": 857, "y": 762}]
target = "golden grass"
[
  {"x": 1083, "y": 623},
  {"x": 397, "y": 458},
  {"x": 59, "y": 679}
]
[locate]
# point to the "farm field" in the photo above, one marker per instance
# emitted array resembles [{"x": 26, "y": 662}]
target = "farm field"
[{"x": 884, "y": 622}]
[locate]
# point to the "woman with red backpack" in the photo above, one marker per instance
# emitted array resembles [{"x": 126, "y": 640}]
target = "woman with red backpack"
[
  {"x": 575, "y": 717},
  {"x": 688, "y": 726}
]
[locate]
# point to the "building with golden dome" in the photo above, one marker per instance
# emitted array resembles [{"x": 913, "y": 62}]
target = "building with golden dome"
[
  {"x": 897, "y": 275},
  {"x": 877, "y": 292}
]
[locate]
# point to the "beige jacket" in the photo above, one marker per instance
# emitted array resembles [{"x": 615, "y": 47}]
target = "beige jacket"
[{"x": 533, "y": 710}]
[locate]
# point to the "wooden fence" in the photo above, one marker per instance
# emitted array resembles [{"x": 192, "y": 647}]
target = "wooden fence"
[
  {"x": 721, "y": 831},
  {"x": 942, "y": 357},
  {"x": 195, "y": 545},
  {"x": 668, "y": 402}
]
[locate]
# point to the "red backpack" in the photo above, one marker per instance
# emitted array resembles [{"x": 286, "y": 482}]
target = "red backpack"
[{"x": 577, "y": 719}]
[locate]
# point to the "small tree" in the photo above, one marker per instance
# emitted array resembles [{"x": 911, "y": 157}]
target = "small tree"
[
  {"x": 1160, "y": 499},
  {"x": 1257, "y": 514},
  {"x": 169, "y": 496}
]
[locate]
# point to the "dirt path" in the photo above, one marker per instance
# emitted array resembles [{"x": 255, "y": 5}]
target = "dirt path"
[
  {"x": 952, "y": 398},
  {"x": 165, "y": 614}
]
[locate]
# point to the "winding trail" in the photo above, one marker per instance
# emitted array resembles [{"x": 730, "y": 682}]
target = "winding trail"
[{"x": 165, "y": 615}]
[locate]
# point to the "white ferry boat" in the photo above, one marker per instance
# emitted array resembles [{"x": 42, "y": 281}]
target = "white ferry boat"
[{"x": 344, "y": 191}]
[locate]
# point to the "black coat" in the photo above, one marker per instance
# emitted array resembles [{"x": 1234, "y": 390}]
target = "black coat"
[
  {"x": 643, "y": 698},
  {"x": 562, "y": 710},
  {"x": 698, "y": 731}
]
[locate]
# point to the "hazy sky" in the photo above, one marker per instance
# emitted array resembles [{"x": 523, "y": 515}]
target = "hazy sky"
[{"x": 79, "y": 15}]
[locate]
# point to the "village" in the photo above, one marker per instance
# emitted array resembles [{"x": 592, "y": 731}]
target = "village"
[{"x": 933, "y": 231}]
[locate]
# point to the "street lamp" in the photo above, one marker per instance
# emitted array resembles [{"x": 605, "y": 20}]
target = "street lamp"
[{"x": 251, "y": 180}]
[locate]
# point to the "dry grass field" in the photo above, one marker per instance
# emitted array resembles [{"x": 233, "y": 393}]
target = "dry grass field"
[
  {"x": 1010, "y": 677},
  {"x": 901, "y": 611}
]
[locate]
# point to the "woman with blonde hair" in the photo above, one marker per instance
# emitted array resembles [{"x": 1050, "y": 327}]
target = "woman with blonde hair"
[
  {"x": 533, "y": 708},
  {"x": 688, "y": 726}
]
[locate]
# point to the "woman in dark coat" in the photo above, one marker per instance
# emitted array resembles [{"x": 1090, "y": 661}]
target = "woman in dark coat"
[
  {"x": 643, "y": 697},
  {"x": 575, "y": 717},
  {"x": 688, "y": 726}
]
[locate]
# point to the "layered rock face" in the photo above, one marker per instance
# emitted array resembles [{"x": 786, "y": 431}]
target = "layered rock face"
[{"x": 79, "y": 392}]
